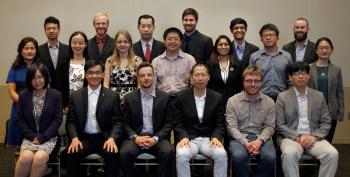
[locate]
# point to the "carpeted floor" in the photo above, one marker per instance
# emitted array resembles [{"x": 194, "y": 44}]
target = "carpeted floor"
[{"x": 7, "y": 161}]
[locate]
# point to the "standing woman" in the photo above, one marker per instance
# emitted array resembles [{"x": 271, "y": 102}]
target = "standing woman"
[
  {"x": 225, "y": 73},
  {"x": 27, "y": 53},
  {"x": 39, "y": 115},
  {"x": 120, "y": 72},
  {"x": 71, "y": 72},
  {"x": 327, "y": 78}
]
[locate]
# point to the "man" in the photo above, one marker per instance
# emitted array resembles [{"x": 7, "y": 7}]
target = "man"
[
  {"x": 93, "y": 122},
  {"x": 148, "y": 124},
  {"x": 272, "y": 61},
  {"x": 250, "y": 118},
  {"x": 301, "y": 48},
  {"x": 147, "y": 47},
  {"x": 303, "y": 122},
  {"x": 102, "y": 45},
  {"x": 53, "y": 52},
  {"x": 195, "y": 43},
  {"x": 199, "y": 124},
  {"x": 241, "y": 48},
  {"x": 172, "y": 67}
]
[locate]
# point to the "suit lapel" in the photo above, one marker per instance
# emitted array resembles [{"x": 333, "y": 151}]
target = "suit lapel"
[
  {"x": 139, "y": 108},
  {"x": 309, "y": 104},
  {"x": 139, "y": 48},
  {"x": 154, "y": 49},
  {"x": 294, "y": 101},
  {"x": 192, "y": 105},
  {"x": 48, "y": 57},
  {"x": 293, "y": 51},
  {"x": 101, "y": 97},
  {"x": 307, "y": 53},
  {"x": 154, "y": 111},
  {"x": 330, "y": 79},
  {"x": 207, "y": 106},
  {"x": 85, "y": 104},
  {"x": 313, "y": 69}
]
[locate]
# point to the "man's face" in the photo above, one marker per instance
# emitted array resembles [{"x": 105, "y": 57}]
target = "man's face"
[
  {"x": 299, "y": 79},
  {"x": 200, "y": 77},
  {"x": 269, "y": 38},
  {"x": 146, "y": 28},
  {"x": 101, "y": 25},
  {"x": 189, "y": 22},
  {"x": 172, "y": 42},
  {"x": 145, "y": 77},
  {"x": 94, "y": 76},
  {"x": 52, "y": 30},
  {"x": 300, "y": 30},
  {"x": 252, "y": 84},
  {"x": 238, "y": 31}
]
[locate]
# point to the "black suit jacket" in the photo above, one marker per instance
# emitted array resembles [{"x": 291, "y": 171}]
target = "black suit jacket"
[
  {"x": 201, "y": 47},
  {"x": 157, "y": 49},
  {"x": 63, "y": 55},
  {"x": 63, "y": 81},
  {"x": 310, "y": 52},
  {"x": 187, "y": 124},
  {"x": 233, "y": 83},
  {"x": 248, "y": 50},
  {"x": 161, "y": 114},
  {"x": 106, "y": 52},
  {"x": 108, "y": 113}
]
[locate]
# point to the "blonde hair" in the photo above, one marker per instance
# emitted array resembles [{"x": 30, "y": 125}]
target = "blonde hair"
[{"x": 100, "y": 14}]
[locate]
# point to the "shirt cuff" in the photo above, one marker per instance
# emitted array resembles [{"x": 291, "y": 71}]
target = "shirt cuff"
[{"x": 156, "y": 138}]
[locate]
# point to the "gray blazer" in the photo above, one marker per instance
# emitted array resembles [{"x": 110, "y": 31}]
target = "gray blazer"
[
  {"x": 335, "y": 90},
  {"x": 287, "y": 114}
]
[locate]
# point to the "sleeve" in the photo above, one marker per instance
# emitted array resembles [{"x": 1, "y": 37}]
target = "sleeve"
[
  {"x": 232, "y": 122},
  {"x": 324, "y": 121},
  {"x": 282, "y": 129},
  {"x": 27, "y": 132},
  {"x": 269, "y": 124},
  {"x": 126, "y": 115},
  {"x": 72, "y": 119},
  {"x": 117, "y": 118},
  {"x": 180, "y": 131},
  {"x": 219, "y": 132},
  {"x": 11, "y": 76},
  {"x": 340, "y": 97}
]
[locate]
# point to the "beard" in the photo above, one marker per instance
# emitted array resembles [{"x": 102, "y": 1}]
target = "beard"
[{"x": 300, "y": 38}]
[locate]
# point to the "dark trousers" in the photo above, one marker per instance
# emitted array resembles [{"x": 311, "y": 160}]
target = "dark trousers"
[
  {"x": 129, "y": 151},
  {"x": 92, "y": 144}
]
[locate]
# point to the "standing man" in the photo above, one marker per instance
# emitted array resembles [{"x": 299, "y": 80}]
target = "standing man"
[
  {"x": 148, "y": 119},
  {"x": 94, "y": 122},
  {"x": 102, "y": 45},
  {"x": 250, "y": 117},
  {"x": 53, "y": 52},
  {"x": 241, "y": 48},
  {"x": 147, "y": 47},
  {"x": 195, "y": 43},
  {"x": 301, "y": 48},
  {"x": 303, "y": 122},
  {"x": 172, "y": 67},
  {"x": 272, "y": 61}
]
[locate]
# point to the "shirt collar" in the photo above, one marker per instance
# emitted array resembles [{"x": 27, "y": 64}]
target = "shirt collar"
[
  {"x": 153, "y": 93},
  {"x": 180, "y": 55},
  {"x": 305, "y": 42},
  {"x": 279, "y": 51},
  {"x": 97, "y": 91},
  {"x": 143, "y": 43},
  {"x": 53, "y": 46},
  {"x": 243, "y": 97},
  {"x": 298, "y": 94},
  {"x": 191, "y": 34},
  {"x": 202, "y": 97},
  {"x": 101, "y": 39},
  {"x": 236, "y": 44}
]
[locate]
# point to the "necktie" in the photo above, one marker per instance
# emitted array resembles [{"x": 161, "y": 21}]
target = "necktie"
[
  {"x": 148, "y": 53},
  {"x": 187, "y": 44},
  {"x": 239, "y": 51}
]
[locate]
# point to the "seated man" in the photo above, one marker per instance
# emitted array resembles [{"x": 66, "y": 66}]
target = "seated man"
[
  {"x": 303, "y": 122},
  {"x": 250, "y": 117},
  {"x": 200, "y": 124},
  {"x": 93, "y": 122},
  {"x": 148, "y": 124}
]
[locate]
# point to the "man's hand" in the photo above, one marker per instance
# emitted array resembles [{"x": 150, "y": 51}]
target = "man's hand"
[
  {"x": 141, "y": 141},
  {"x": 214, "y": 142},
  {"x": 185, "y": 142},
  {"x": 74, "y": 145},
  {"x": 307, "y": 141},
  {"x": 256, "y": 146},
  {"x": 110, "y": 146},
  {"x": 150, "y": 141},
  {"x": 36, "y": 141}
]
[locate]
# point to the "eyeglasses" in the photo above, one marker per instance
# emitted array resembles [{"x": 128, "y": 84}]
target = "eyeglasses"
[
  {"x": 323, "y": 47},
  {"x": 94, "y": 73},
  {"x": 269, "y": 35},
  {"x": 300, "y": 73},
  {"x": 255, "y": 81}
]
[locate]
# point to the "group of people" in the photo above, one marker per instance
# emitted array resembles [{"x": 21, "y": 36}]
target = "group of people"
[{"x": 123, "y": 99}]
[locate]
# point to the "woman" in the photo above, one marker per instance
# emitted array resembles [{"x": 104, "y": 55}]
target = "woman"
[
  {"x": 39, "y": 115},
  {"x": 327, "y": 78},
  {"x": 225, "y": 73},
  {"x": 120, "y": 72},
  {"x": 27, "y": 53},
  {"x": 71, "y": 72}
]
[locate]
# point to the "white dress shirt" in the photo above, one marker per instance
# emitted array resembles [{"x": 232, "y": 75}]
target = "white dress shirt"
[
  {"x": 200, "y": 103},
  {"x": 304, "y": 123}
]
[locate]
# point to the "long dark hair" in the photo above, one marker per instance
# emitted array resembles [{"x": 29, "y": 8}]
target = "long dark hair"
[
  {"x": 323, "y": 39},
  {"x": 85, "y": 52},
  {"x": 215, "y": 54},
  {"x": 19, "y": 61}
]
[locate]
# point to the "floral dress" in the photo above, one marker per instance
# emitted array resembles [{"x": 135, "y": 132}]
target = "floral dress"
[{"x": 76, "y": 77}]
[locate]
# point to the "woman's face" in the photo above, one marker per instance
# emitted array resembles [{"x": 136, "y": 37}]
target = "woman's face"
[
  {"x": 29, "y": 51},
  {"x": 223, "y": 47},
  {"x": 78, "y": 44},
  {"x": 122, "y": 44},
  {"x": 324, "y": 50},
  {"x": 38, "y": 81}
]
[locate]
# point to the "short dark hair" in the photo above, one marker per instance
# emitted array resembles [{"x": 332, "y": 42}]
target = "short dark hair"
[
  {"x": 269, "y": 26},
  {"x": 31, "y": 74},
  {"x": 190, "y": 11},
  {"x": 172, "y": 30},
  {"x": 143, "y": 65},
  {"x": 53, "y": 20},
  {"x": 145, "y": 16},
  {"x": 85, "y": 52},
  {"x": 238, "y": 21},
  {"x": 92, "y": 63},
  {"x": 324, "y": 39},
  {"x": 19, "y": 61},
  {"x": 199, "y": 65},
  {"x": 298, "y": 66}
]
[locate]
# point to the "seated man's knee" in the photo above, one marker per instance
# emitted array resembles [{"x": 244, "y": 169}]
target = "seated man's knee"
[
  {"x": 219, "y": 153},
  {"x": 291, "y": 153},
  {"x": 183, "y": 155}
]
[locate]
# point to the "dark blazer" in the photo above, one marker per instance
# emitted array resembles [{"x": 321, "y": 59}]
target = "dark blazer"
[
  {"x": 108, "y": 113},
  {"x": 63, "y": 55},
  {"x": 335, "y": 90},
  {"x": 161, "y": 114},
  {"x": 248, "y": 50},
  {"x": 233, "y": 83},
  {"x": 50, "y": 119},
  {"x": 310, "y": 52},
  {"x": 187, "y": 124},
  {"x": 157, "y": 49},
  {"x": 201, "y": 47},
  {"x": 63, "y": 81},
  {"x": 106, "y": 52}
]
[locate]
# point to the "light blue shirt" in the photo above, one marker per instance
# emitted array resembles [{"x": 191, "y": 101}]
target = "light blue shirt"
[
  {"x": 91, "y": 126},
  {"x": 147, "y": 108},
  {"x": 53, "y": 49},
  {"x": 239, "y": 49},
  {"x": 300, "y": 51}
]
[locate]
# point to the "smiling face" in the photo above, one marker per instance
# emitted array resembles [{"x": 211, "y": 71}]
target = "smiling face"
[
  {"x": 300, "y": 30},
  {"x": 223, "y": 47},
  {"x": 324, "y": 50},
  {"x": 38, "y": 81},
  {"x": 101, "y": 23},
  {"x": 200, "y": 77},
  {"x": 52, "y": 30},
  {"x": 29, "y": 51},
  {"x": 94, "y": 76},
  {"x": 238, "y": 31},
  {"x": 252, "y": 84},
  {"x": 189, "y": 23},
  {"x": 172, "y": 42},
  {"x": 269, "y": 38},
  {"x": 145, "y": 76},
  {"x": 122, "y": 44},
  {"x": 78, "y": 44}
]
